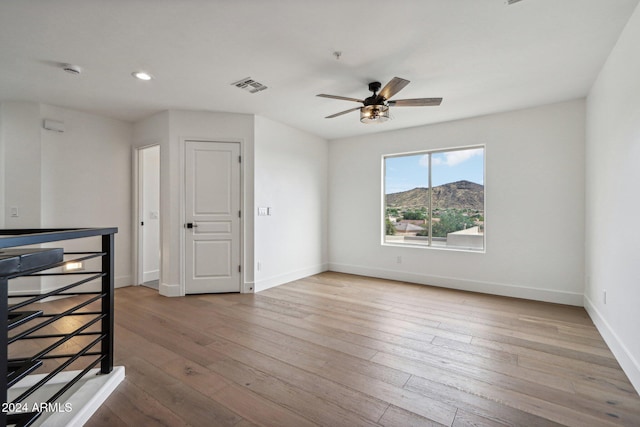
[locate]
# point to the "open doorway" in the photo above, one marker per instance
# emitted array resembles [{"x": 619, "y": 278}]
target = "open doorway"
[{"x": 149, "y": 216}]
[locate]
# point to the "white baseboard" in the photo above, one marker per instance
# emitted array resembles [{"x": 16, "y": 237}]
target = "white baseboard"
[
  {"x": 168, "y": 290},
  {"x": 547, "y": 295},
  {"x": 148, "y": 276},
  {"x": 122, "y": 281},
  {"x": 248, "y": 288},
  {"x": 627, "y": 361},
  {"x": 270, "y": 282}
]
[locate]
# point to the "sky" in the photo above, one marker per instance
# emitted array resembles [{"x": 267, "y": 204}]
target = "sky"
[{"x": 409, "y": 172}]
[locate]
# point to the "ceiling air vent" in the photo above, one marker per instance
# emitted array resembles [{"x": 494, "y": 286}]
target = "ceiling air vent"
[
  {"x": 512, "y": 1},
  {"x": 249, "y": 85}
]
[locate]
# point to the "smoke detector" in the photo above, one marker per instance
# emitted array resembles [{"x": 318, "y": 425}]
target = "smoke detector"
[{"x": 72, "y": 69}]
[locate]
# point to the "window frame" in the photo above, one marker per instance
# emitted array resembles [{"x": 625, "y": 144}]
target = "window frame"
[{"x": 430, "y": 207}]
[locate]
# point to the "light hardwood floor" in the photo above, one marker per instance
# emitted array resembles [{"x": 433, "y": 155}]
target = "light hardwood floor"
[{"x": 342, "y": 350}]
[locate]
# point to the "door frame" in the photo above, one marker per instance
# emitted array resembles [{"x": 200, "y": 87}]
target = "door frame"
[
  {"x": 183, "y": 207},
  {"x": 138, "y": 193}
]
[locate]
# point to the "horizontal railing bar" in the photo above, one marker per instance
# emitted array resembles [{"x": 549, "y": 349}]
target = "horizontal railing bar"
[
  {"x": 59, "y": 356},
  {"x": 66, "y": 338},
  {"x": 70, "y": 294},
  {"x": 49, "y": 336},
  {"x": 52, "y": 319},
  {"x": 87, "y": 255},
  {"x": 82, "y": 313},
  {"x": 63, "y": 356},
  {"x": 55, "y": 292},
  {"x": 70, "y": 273},
  {"x": 56, "y": 371}
]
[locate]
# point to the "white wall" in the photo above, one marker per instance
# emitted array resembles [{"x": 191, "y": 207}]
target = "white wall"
[
  {"x": 613, "y": 200},
  {"x": 154, "y": 130},
  {"x": 20, "y": 171},
  {"x": 290, "y": 178},
  {"x": 20, "y": 135},
  {"x": 86, "y": 178},
  {"x": 79, "y": 178},
  {"x": 534, "y": 205},
  {"x": 171, "y": 129}
]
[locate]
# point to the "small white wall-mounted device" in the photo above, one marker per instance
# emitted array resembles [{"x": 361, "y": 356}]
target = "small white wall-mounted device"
[{"x": 53, "y": 125}]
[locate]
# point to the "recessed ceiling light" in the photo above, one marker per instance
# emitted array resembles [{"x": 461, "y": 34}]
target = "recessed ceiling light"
[{"x": 142, "y": 75}]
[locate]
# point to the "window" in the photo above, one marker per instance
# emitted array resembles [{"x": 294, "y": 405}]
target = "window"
[{"x": 435, "y": 199}]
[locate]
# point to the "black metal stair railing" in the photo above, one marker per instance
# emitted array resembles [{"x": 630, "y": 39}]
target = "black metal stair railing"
[{"x": 26, "y": 324}]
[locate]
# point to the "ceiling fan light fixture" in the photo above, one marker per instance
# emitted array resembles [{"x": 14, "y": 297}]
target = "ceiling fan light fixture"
[{"x": 372, "y": 114}]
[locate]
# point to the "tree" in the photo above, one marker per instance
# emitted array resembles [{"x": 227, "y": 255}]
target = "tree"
[
  {"x": 450, "y": 220},
  {"x": 390, "y": 230},
  {"x": 415, "y": 214}
]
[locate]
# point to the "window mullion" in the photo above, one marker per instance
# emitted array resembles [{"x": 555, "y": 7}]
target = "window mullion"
[{"x": 430, "y": 213}]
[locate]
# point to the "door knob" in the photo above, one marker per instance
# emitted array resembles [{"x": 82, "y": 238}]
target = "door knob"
[{"x": 191, "y": 225}]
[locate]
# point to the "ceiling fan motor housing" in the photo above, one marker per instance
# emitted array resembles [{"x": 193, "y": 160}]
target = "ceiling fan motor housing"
[{"x": 374, "y": 99}]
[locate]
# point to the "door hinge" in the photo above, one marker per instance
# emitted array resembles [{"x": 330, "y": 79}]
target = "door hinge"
[
  {"x": 239, "y": 159},
  {"x": 239, "y": 269},
  {"x": 239, "y": 214}
]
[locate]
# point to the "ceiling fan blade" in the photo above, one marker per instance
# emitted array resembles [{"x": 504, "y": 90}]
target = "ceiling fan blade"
[
  {"x": 394, "y": 86},
  {"x": 344, "y": 98},
  {"x": 417, "y": 102},
  {"x": 342, "y": 112}
]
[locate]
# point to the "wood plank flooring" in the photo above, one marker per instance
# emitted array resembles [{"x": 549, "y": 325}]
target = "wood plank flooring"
[{"x": 342, "y": 350}]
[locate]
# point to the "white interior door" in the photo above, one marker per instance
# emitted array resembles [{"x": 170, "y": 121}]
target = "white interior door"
[{"x": 212, "y": 234}]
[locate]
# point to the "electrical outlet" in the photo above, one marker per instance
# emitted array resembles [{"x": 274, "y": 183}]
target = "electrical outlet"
[
  {"x": 259, "y": 266},
  {"x": 14, "y": 212},
  {"x": 399, "y": 260}
]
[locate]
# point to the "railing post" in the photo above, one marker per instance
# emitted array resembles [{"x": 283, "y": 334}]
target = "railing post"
[
  {"x": 106, "y": 365},
  {"x": 4, "y": 284}
]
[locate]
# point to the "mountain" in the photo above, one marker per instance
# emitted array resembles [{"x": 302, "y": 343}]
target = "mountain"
[{"x": 458, "y": 195}]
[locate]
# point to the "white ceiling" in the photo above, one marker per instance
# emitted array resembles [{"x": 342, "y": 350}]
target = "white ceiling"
[{"x": 481, "y": 56}]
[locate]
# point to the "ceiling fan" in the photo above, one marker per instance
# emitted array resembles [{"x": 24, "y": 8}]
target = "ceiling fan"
[{"x": 375, "y": 109}]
